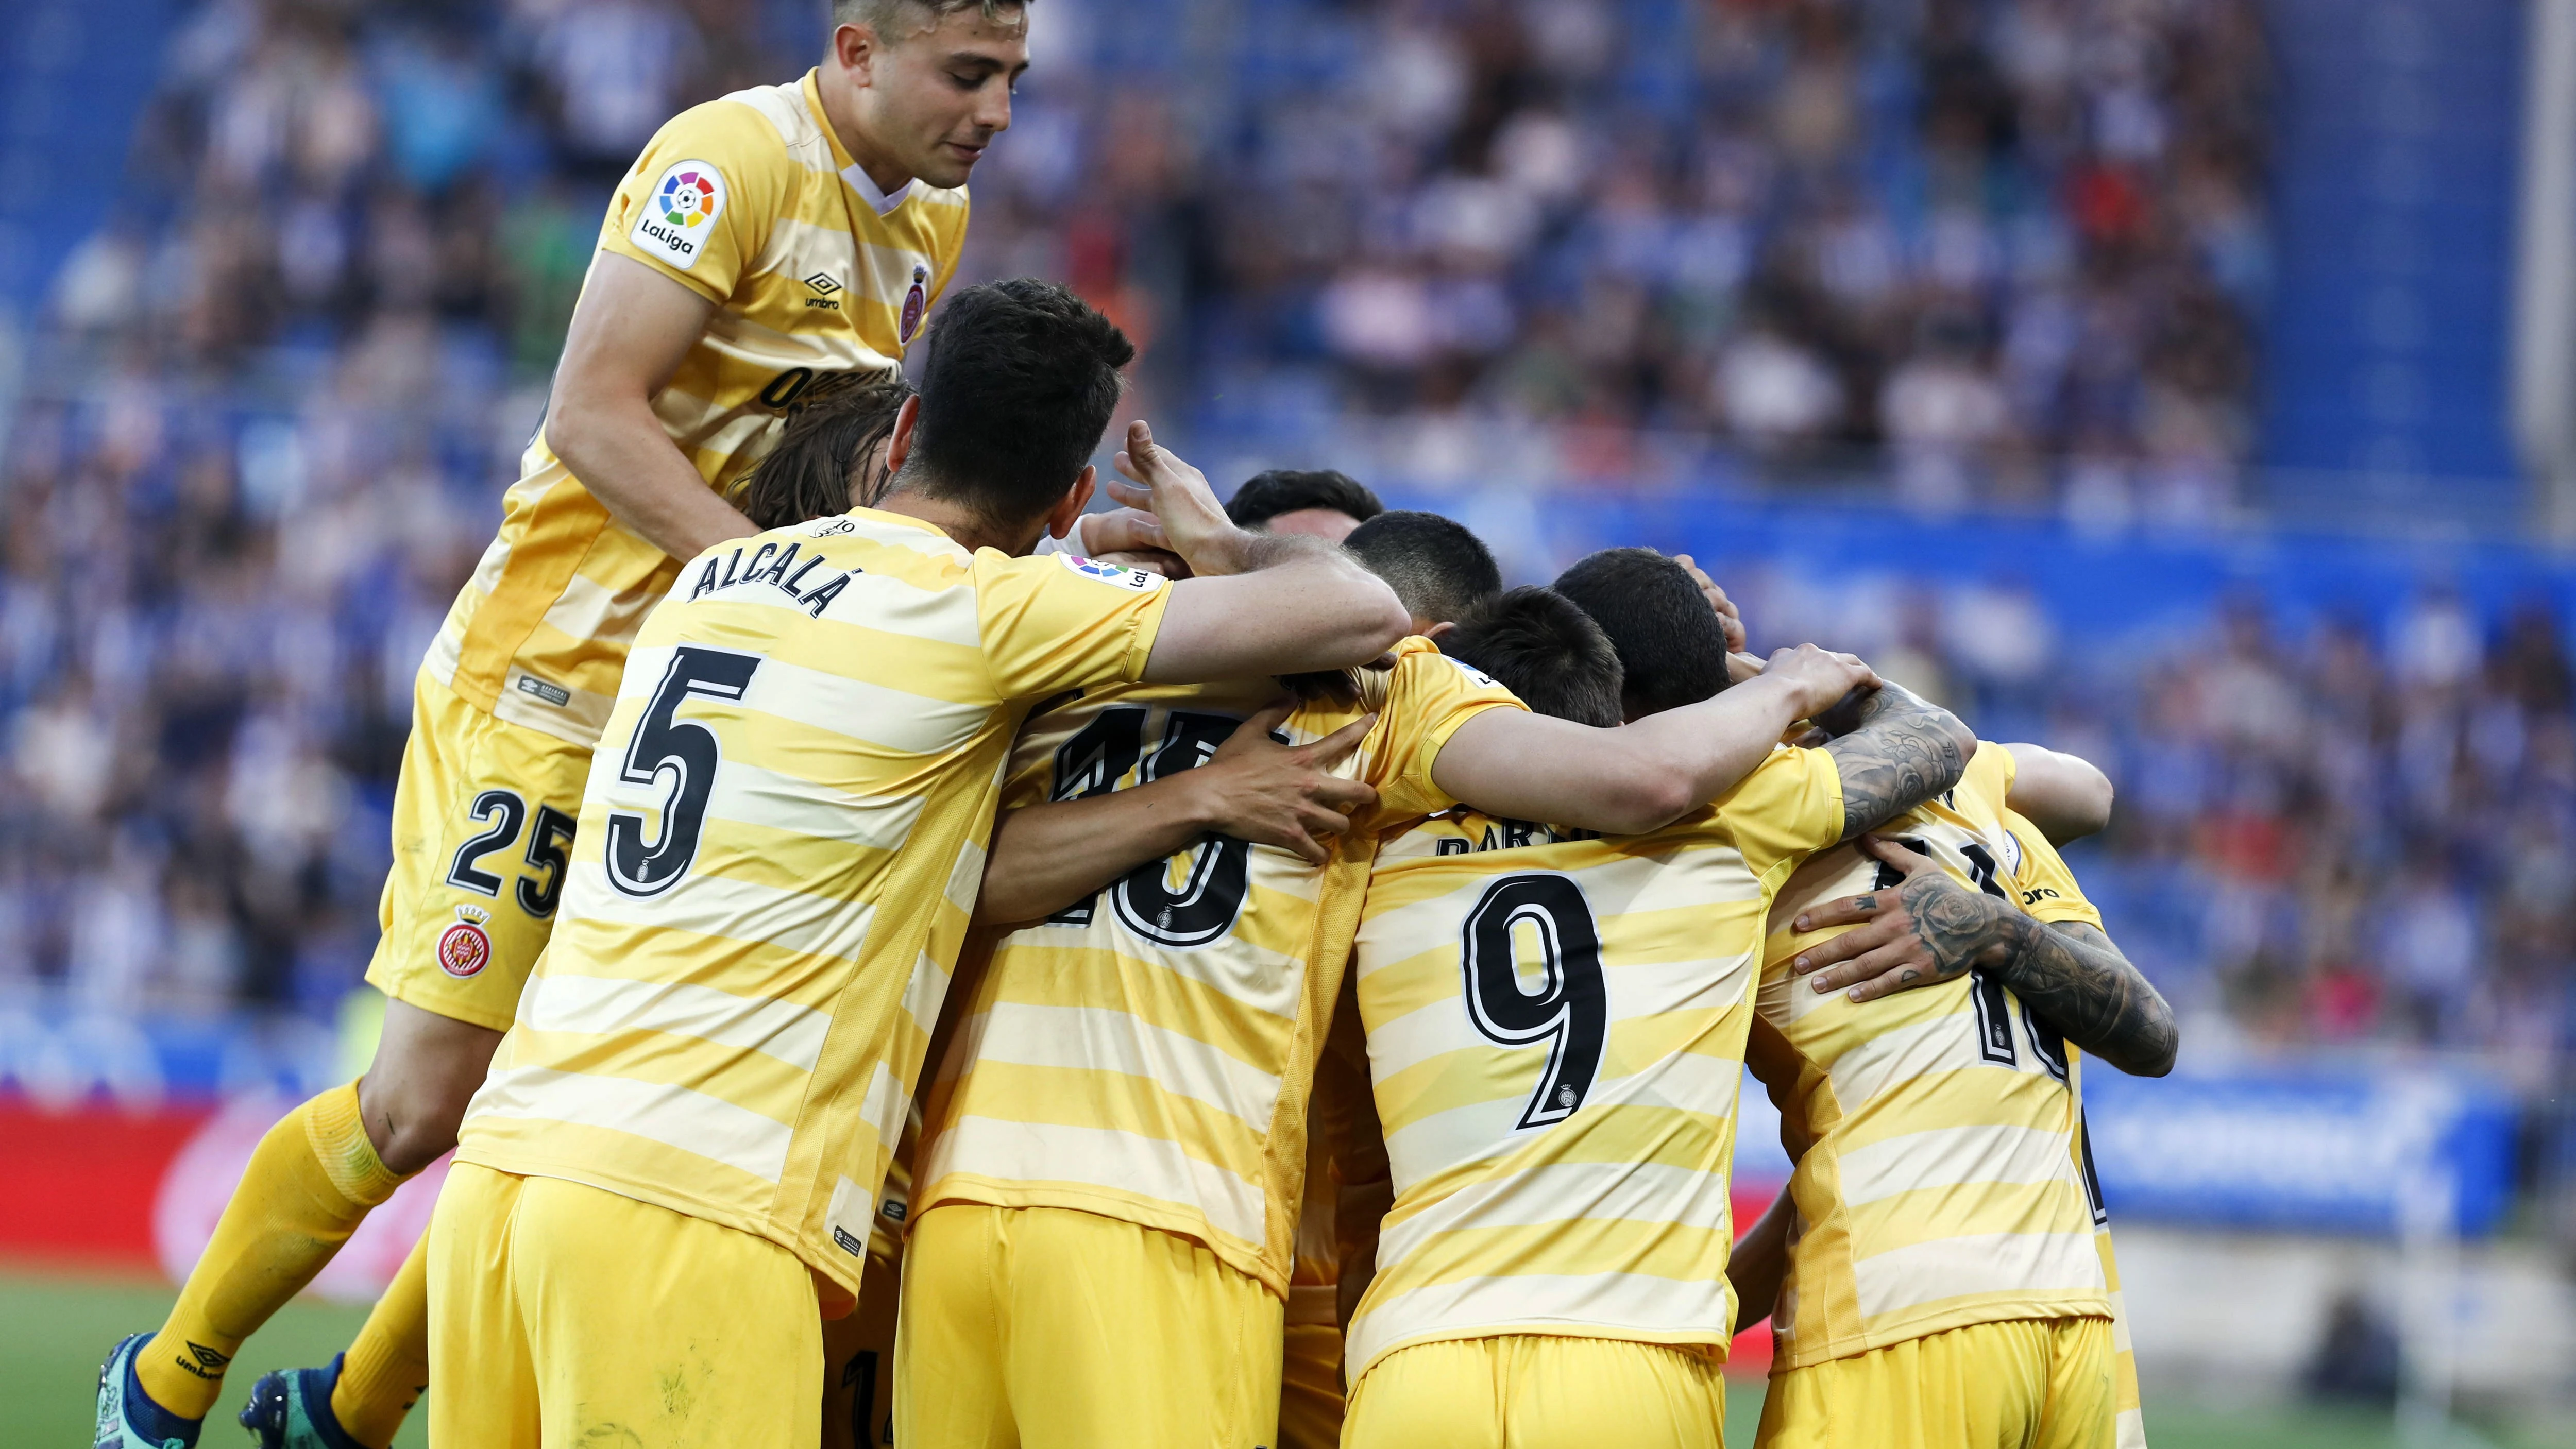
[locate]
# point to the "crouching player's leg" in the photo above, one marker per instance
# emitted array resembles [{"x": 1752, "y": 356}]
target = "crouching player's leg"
[
  {"x": 1052, "y": 1328},
  {"x": 1532, "y": 1391},
  {"x": 2024, "y": 1383},
  {"x": 564, "y": 1315}
]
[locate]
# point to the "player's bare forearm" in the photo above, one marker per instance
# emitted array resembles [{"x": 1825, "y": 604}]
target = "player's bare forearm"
[
  {"x": 1929, "y": 928},
  {"x": 2066, "y": 796},
  {"x": 1045, "y": 857},
  {"x": 1894, "y": 750},
  {"x": 617, "y": 448},
  {"x": 1760, "y": 1263},
  {"x": 1300, "y": 604},
  {"x": 2071, "y": 976},
  {"x": 630, "y": 331},
  {"x": 1640, "y": 776}
]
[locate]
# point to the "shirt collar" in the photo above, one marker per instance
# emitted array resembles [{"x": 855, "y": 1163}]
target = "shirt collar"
[{"x": 852, "y": 173}]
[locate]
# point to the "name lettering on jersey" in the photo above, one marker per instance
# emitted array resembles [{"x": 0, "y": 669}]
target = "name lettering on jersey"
[
  {"x": 1510, "y": 835},
  {"x": 676, "y": 217},
  {"x": 769, "y": 565}
]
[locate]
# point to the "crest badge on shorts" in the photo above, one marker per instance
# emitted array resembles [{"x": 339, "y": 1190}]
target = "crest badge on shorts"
[
  {"x": 464, "y": 949},
  {"x": 915, "y": 302}
]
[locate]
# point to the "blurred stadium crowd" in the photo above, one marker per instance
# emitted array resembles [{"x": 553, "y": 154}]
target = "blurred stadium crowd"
[{"x": 2001, "y": 252}]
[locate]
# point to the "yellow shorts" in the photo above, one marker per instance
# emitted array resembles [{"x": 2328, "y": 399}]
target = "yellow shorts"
[
  {"x": 564, "y": 1316},
  {"x": 1539, "y": 1391},
  {"x": 1049, "y": 1329},
  {"x": 858, "y": 1363},
  {"x": 2030, "y": 1383},
  {"x": 1310, "y": 1387},
  {"x": 483, "y": 820}
]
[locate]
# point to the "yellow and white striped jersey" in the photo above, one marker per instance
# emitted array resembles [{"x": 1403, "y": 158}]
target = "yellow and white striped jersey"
[
  {"x": 750, "y": 202},
  {"x": 778, "y": 855},
  {"x": 1933, "y": 1130},
  {"x": 2049, "y": 892},
  {"x": 1555, "y": 1037},
  {"x": 1146, "y": 1055}
]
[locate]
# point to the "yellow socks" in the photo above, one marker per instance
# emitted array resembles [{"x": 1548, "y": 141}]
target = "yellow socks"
[
  {"x": 388, "y": 1365},
  {"x": 310, "y": 1183}
]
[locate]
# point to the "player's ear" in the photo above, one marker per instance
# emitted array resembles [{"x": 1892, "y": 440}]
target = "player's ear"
[
  {"x": 1441, "y": 630},
  {"x": 899, "y": 442},
  {"x": 1068, "y": 508},
  {"x": 854, "y": 47}
]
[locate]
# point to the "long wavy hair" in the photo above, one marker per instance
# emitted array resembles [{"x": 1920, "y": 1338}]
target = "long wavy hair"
[{"x": 827, "y": 461}]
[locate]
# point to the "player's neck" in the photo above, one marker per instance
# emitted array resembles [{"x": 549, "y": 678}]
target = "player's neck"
[
  {"x": 841, "y": 108},
  {"x": 959, "y": 522}
]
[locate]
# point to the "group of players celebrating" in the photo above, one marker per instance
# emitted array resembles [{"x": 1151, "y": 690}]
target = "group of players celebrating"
[{"x": 1333, "y": 971}]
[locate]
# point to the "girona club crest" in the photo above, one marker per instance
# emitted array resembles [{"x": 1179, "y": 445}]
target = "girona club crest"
[
  {"x": 914, "y": 302},
  {"x": 464, "y": 949}
]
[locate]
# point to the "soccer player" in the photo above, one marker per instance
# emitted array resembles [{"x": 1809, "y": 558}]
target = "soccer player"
[
  {"x": 1321, "y": 502},
  {"x": 761, "y": 243},
  {"x": 1112, "y": 1173},
  {"x": 1938, "y": 1264},
  {"x": 1555, "y": 1025},
  {"x": 675, "y": 1161}
]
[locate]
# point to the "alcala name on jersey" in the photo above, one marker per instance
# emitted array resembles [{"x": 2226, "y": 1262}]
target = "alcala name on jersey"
[{"x": 777, "y": 568}]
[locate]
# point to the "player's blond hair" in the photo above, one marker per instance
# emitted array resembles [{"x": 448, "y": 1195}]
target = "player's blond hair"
[{"x": 881, "y": 15}]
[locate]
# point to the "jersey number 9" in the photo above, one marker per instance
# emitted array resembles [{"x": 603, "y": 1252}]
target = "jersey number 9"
[{"x": 1571, "y": 1009}]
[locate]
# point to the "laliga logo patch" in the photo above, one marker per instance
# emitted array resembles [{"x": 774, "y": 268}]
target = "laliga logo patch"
[
  {"x": 463, "y": 949},
  {"x": 1109, "y": 573},
  {"x": 676, "y": 218},
  {"x": 913, "y": 302}
]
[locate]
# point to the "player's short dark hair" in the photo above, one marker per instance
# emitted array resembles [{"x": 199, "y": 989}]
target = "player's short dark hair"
[
  {"x": 1264, "y": 496},
  {"x": 1672, "y": 650},
  {"x": 879, "y": 15},
  {"x": 1538, "y": 645},
  {"x": 1438, "y": 568},
  {"x": 832, "y": 431},
  {"x": 1020, "y": 383}
]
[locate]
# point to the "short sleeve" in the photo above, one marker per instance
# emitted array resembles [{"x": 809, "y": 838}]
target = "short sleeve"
[
  {"x": 2041, "y": 881},
  {"x": 699, "y": 203},
  {"x": 1061, "y": 621},
  {"x": 1428, "y": 696},
  {"x": 1791, "y": 805}
]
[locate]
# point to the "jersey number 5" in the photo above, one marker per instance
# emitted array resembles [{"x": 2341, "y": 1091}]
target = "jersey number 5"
[
  {"x": 1571, "y": 1009},
  {"x": 687, "y": 754}
]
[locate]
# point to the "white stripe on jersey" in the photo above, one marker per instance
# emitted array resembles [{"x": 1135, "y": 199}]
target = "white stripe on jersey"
[
  {"x": 751, "y": 795},
  {"x": 693, "y": 1122},
  {"x": 1646, "y": 1192},
  {"x": 1590, "y": 1303},
  {"x": 599, "y": 1005},
  {"x": 1105, "y": 1039},
  {"x": 737, "y": 910},
  {"x": 1948, "y": 1156},
  {"x": 1952, "y": 1267},
  {"x": 1897, "y": 1058},
  {"x": 1034, "y": 1152}
]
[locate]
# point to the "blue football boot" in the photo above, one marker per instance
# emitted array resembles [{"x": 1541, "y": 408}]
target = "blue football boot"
[
  {"x": 291, "y": 1409},
  {"x": 127, "y": 1417}
]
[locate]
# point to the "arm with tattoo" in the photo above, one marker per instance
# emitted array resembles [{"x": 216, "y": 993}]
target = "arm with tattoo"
[
  {"x": 1894, "y": 751},
  {"x": 1929, "y": 928}
]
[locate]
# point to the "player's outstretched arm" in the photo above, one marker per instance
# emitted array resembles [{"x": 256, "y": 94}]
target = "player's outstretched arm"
[
  {"x": 1256, "y": 603},
  {"x": 1930, "y": 928},
  {"x": 1760, "y": 1263},
  {"x": 2066, "y": 796},
  {"x": 1895, "y": 750},
  {"x": 630, "y": 331},
  {"x": 1048, "y": 856},
  {"x": 1645, "y": 775}
]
